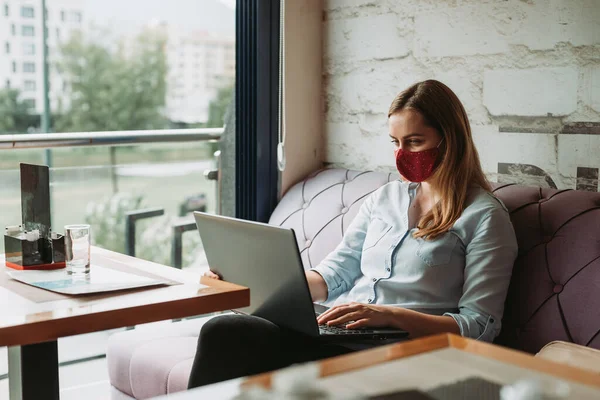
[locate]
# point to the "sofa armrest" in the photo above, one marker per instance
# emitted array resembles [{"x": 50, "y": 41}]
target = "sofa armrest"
[{"x": 571, "y": 354}]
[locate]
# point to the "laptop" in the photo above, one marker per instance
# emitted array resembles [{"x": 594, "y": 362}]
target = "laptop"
[{"x": 266, "y": 259}]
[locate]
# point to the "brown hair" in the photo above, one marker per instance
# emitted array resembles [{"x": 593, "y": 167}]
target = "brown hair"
[{"x": 459, "y": 168}]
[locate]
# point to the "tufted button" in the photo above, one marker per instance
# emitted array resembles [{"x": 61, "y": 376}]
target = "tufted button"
[
  {"x": 344, "y": 210},
  {"x": 305, "y": 205},
  {"x": 308, "y": 243},
  {"x": 558, "y": 288}
]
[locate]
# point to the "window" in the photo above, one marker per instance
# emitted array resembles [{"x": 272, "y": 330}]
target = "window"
[
  {"x": 14, "y": 66},
  {"x": 27, "y": 30},
  {"x": 58, "y": 33},
  {"x": 28, "y": 67},
  {"x": 28, "y": 49},
  {"x": 6, "y": 10},
  {"x": 62, "y": 16},
  {"x": 7, "y": 48},
  {"x": 13, "y": 29},
  {"x": 30, "y": 103},
  {"x": 27, "y": 12},
  {"x": 75, "y": 16},
  {"x": 7, "y": 84},
  {"x": 29, "y": 86}
]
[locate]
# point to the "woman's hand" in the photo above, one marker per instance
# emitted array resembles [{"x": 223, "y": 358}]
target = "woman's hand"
[
  {"x": 361, "y": 315},
  {"x": 212, "y": 275}
]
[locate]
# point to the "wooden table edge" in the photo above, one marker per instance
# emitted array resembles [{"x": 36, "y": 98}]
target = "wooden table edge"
[
  {"x": 368, "y": 358},
  {"x": 235, "y": 296}
]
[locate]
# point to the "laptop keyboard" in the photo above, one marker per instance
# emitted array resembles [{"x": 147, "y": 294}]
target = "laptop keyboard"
[{"x": 339, "y": 330}]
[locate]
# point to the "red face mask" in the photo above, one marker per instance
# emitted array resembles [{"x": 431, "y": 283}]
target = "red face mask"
[{"x": 417, "y": 166}]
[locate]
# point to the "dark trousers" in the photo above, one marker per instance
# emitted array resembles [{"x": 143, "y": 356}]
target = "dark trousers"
[{"x": 232, "y": 346}]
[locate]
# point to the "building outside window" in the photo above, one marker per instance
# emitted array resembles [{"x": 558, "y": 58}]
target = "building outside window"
[
  {"x": 28, "y": 67},
  {"x": 27, "y": 30},
  {"x": 28, "y": 49},
  {"x": 29, "y": 86},
  {"x": 27, "y": 12}
]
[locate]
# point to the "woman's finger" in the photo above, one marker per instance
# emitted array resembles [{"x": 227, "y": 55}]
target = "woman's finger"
[
  {"x": 350, "y": 316},
  {"x": 210, "y": 274},
  {"x": 332, "y": 313},
  {"x": 361, "y": 323}
]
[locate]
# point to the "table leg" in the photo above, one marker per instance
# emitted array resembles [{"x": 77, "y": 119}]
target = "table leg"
[{"x": 33, "y": 371}]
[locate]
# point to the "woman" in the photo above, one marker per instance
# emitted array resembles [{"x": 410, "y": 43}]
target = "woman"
[{"x": 428, "y": 255}]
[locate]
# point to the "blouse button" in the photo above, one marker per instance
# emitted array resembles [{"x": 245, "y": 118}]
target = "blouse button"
[
  {"x": 370, "y": 301},
  {"x": 374, "y": 279},
  {"x": 388, "y": 269}
]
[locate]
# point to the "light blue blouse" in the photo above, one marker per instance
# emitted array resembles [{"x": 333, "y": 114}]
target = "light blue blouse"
[{"x": 464, "y": 273}]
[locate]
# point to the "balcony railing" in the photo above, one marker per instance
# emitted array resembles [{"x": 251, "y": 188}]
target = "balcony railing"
[
  {"x": 100, "y": 177},
  {"x": 115, "y": 138}
]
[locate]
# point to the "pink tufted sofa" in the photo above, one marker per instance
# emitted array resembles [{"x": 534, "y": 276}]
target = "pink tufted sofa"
[{"x": 554, "y": 293}]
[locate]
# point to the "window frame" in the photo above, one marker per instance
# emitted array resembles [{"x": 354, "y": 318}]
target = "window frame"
[
  {"x": 256, "y": 104},
  {"x": 28, "y": 63},
  {"x": 25, "y": 15},
  {"x": 27, "y": 45},
  {"x": 24, "y": 27},
  {"x": 33, "y": 87}
]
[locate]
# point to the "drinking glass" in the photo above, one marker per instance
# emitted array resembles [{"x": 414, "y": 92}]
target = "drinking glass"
[{"x": 77, "y": 249}]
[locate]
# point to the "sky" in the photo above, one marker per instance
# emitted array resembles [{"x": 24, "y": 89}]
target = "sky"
[{"x": 128, "y": 16}]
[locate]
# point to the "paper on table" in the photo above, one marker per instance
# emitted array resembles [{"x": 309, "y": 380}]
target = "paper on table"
[{"x": 100, "y": 279}]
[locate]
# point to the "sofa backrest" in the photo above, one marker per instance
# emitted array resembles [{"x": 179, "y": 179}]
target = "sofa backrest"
[
  {"x": 320, "y": 208},
  {"x": 555, "y": 289}
]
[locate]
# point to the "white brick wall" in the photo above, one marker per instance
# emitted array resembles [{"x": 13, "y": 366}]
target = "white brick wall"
[
  {"x": 459, "y": 32},
  {"x": 525, "y": 71},
  {"x": 365, "y": 38},
  {"x": 530, "y": 92},
  {"x": 591, "y": 87}
]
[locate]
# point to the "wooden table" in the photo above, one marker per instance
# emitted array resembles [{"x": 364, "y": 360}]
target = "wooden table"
[
  {"x": 422, "y": 364},
  {"x": 31, "y": 329}
]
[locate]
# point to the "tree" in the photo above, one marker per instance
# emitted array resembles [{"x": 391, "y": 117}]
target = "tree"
[
  {"x": 15, "y": 116},
  {"x": 122, "y": 88},
  {"x": 218, "y": 107}
]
